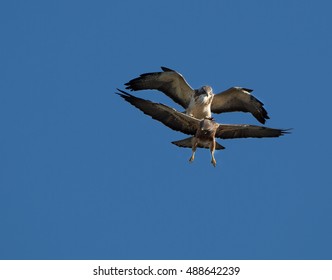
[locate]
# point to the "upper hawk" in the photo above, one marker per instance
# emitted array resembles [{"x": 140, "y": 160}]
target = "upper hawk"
[{"x": 200, "y": 103}]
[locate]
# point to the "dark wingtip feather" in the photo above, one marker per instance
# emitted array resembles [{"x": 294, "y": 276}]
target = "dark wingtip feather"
[
  {"x": 128, "y": 86},
  {"x": 132, "y": 85},
  {"x": 165, "y": 69},
  {"x": 123, "y": 94},
  {"x": 248, "y": 89},
  {"x": 265, "y": 116},
  {"x": 286, "y": 131},
  {"x": 261, "y": 116}
]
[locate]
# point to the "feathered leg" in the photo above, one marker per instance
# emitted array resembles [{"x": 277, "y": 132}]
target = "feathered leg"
[
  {"x": 212, "y": 149},
  {"x": 194, "y": 147}
]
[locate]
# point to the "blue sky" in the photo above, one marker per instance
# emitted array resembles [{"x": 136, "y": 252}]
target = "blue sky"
[{"x": 84, "y": 175}]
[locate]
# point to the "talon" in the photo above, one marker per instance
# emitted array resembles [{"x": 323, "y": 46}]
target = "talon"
[{"x": 213, "y": 161}]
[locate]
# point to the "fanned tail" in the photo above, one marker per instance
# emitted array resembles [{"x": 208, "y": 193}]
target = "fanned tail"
[{"x": 187, "y": 143}]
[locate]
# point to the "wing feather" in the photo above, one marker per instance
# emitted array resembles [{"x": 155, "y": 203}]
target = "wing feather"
[
  {"x": 227, "y": 131},
  {"x": 169, "y": 82},
  {"x": 239, "y": 99},
  {"x": 164, "y": 114}
]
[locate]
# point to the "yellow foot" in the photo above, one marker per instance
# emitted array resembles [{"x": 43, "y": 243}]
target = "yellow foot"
[{"x": 191, "y": 159}]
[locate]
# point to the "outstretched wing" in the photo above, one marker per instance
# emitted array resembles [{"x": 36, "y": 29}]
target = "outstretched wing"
[
  {"x": 166, "y": 115},
  {"x": 169, "y": 82},
  {"x": 239, "y": 99},
  {"x": 228, "y": 131}
]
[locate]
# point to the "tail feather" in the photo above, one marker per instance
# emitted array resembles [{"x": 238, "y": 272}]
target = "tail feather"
[{"x": 187, "y": 143}]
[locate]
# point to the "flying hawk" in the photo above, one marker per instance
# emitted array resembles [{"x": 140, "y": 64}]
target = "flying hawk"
[
  {"x": 199, "y": 103},
  {"x": 203, "y": 131}
]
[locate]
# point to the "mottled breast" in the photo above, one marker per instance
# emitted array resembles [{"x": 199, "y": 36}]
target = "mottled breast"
[{"x": 200, "y": 106}]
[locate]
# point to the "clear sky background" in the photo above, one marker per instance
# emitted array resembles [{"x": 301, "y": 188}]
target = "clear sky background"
[{"x": 84, "y": 175}]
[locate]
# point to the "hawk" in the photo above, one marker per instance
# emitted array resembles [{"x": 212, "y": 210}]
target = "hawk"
[
  {"x": 200, "y": 103},
  {"x": 203, "y": 131}
]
